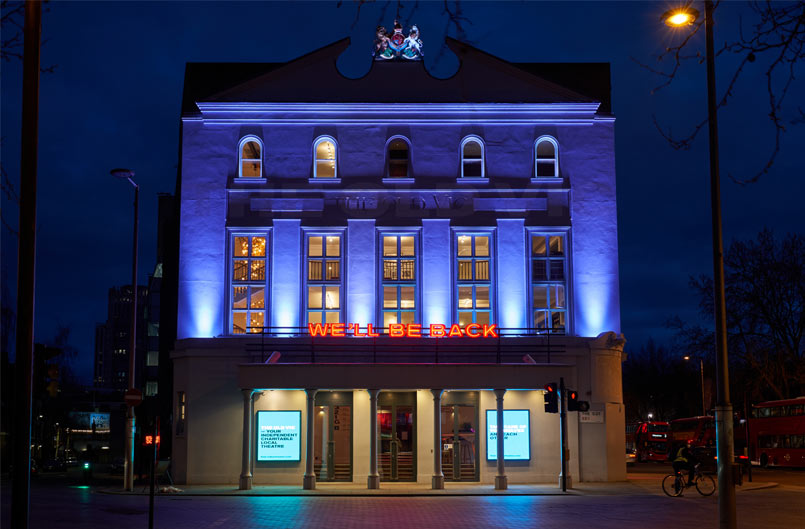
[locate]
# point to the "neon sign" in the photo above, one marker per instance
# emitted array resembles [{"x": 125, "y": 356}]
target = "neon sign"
[{"x": 404, "y": 330}]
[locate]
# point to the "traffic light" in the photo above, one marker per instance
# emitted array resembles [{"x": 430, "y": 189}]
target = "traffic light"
[
  {"x": 551, "y": 398},
  {"x": 573, "y": 402}
]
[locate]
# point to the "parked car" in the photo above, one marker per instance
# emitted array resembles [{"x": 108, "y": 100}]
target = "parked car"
[
  {"x": 631, "y": 457},
  {"x": 54, "y": 465}
]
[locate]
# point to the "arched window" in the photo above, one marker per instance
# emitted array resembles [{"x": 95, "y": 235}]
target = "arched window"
[
  {"x": 250, "y": 161},
  {"x": 398, "y": 158},
  {"x": 325, "y": 152},
  {"x": 547, "y": 157},
  {"x": 472, "y": 157}
]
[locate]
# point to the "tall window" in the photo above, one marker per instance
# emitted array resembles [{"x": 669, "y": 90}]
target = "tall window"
[
  {"x": 473, "y": 279},
  {"x": 324, "y": 278},
  {"x": 548, "y": 284},
  {"x": 398, "y": 156},
  {"x": 399, "y": 279},
  {"x": 248, "y": 283},
  {"x": 250, "y": 162},
  {"x": 325, "y": 152},
  {"x": 472, "y": 157},
  {"x": 547, "y": 161},
  {"x": 181, "y": 411}
]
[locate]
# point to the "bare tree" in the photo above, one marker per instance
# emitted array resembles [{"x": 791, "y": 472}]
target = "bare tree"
[
  {"x": 765, "y": 289},
  {"x": 777, "y": 38}
]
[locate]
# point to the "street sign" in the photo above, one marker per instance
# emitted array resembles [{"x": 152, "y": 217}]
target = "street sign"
[{"x": 133, "y": 397}]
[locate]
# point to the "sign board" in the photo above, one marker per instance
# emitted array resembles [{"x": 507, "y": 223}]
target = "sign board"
[
  {"x": 279, "y": 435},
  {"x": 591, "y": 416},
  {"x": 133, "y": 397},
  {"x": 516, "y": 431},
  {"x": 85, "y": 421}
]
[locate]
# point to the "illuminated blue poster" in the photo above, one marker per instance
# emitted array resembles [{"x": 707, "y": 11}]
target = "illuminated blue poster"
[
  {"x": 516, "y": 435},
  {"x": 278, "y": 435}
]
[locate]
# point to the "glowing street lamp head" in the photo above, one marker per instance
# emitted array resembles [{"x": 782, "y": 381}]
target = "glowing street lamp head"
[{"x": 682, "y": 16}]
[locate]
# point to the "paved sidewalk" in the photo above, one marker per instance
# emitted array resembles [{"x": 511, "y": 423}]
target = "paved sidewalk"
[{"x": 645, "y": 484}]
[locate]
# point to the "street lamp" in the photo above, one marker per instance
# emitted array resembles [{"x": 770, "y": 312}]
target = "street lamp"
[
  {"x": 701, "y": 373},
  {"x": 685, "y": 16},
  {"x": 128, "y": 470}
]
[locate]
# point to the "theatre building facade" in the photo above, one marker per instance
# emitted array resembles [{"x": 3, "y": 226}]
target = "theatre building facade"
[{"x": 379, "y": 276}]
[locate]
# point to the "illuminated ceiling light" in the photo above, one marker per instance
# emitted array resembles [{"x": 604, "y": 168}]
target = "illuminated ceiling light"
[{"x": 683, "y": 16}]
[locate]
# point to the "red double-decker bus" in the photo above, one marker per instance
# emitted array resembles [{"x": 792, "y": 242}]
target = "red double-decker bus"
[
  {"x": 777, "y": 433},
  {"x": 649, "y": 440},
  {"x": 696, "y": 431}
]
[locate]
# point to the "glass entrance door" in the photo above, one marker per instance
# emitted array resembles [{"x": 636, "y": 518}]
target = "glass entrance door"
[
  {"x": 332, "y": 439},
  {"x": 396, "y": 428},
  {"x": 460, "y": 442}
]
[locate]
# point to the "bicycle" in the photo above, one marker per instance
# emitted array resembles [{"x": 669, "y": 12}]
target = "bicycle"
[{"x": 674, "y": 484}]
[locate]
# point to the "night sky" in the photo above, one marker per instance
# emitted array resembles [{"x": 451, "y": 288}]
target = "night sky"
[{"x": 114, "y": 101}]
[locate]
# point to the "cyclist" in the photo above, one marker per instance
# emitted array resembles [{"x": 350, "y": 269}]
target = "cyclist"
[{"x": 685, "y": 460}]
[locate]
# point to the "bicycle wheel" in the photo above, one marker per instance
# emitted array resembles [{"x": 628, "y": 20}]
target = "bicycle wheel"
[
  {"x": 671, "y": 486},
  {"x": 705, "y": 485}
]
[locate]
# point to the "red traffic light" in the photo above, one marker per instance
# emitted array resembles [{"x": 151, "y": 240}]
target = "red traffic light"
[{"x": 550, "y": 388}]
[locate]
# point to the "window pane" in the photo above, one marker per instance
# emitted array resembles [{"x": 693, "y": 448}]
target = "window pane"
[
  {"x": 325, "y": 150},
  {"x": 482, "y": 318},
  {"x": 540, "y": 297},
  {"x": 256, "y": 321},
  {"x": 407, "y": 246},
  {"x": 314, "y": 270},
  {"x": 406, "y": 317},
  {"x": 472, "y": 150},
  {"x": 472, "y": 169},
  {"x": 398, "y": 169},
  {"x": 314, "y": 246},
  {"x": 464, "y": 246},
  {"x": 238, "y": 322},
  {"x": 540, "y": 319},
  {"x": 333, "y": 298},
  {"x": 390, "y": 298},
  {"x": 390, "y": 270},
  {"x": 314, "y": 317},
  {"x": 240, "y": 270},
  {"x": 389, "y": 246},
  {"x": 250, "y": 169},
  {"x": 558, "y": 321},
  {"x": 558, "y": 297},
  {"x": 464, "y": 318},
  {"x": 258, "y": 246},
  {"x": 539, "y": 270},
  {"x": 257, "y": 298},
  {"x": 314, "y": 297},
  {"x": 482, "y": 270},
  {"x": 407, "y": 298},
  {"x": 241, "y": 247},
  {"x": 545, "y": 150},
  {"x": 332, "y": 317},
  {"x": 325, "y": 169},
  {"x": 407, "y": 270},
  {"x": 557, "y": 270},
  {"x": 557, "y": 247},
  {"x": 333, "y": 270},
  {"x": 240, "y": 297},
  {"x": 482, "y": 297},
  {"x": 398, "y": 149},
  {"x": 465, "y": 297},
  {"x": 465, "y": 270},
  {"x": 251, "y": 151},
  {"x": 538, "y": 245},
  {"x": 333, "y": 246},
  {"x": 388, "y": 318},
  {"x": 482, "y": 246},
  {"x": 258, "y": 270},
  {"x": 546, "y": 169}
]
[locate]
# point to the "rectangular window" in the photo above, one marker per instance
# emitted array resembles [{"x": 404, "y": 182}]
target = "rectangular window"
[
  {"x": 548, "y": 284},
  {"x": 151, "y": 388},
  {"x": 399, "y": 273},
  {"x": 324, "y": 301},
  {"x": 248, "y": 283},
  {"x": 152, "y": 359},
  {"x": 181, "y": 412},
  {"x": 473, "y": 278}
]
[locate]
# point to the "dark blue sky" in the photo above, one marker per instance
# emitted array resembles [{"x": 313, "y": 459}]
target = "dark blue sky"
[{"x": 114, "y": 100}]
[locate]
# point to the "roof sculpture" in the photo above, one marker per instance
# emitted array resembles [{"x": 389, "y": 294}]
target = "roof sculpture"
[{"x": 396, "y": 45}]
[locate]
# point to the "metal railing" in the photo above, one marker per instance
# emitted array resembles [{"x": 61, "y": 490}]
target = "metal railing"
[{"x": 295, "y": 344}]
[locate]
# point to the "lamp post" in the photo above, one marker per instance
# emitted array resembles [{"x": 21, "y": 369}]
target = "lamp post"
[
  {"x": 128, "y": 470},
  {"x": 701, "y": 374},
  {"x": 724, "y": 441}
]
